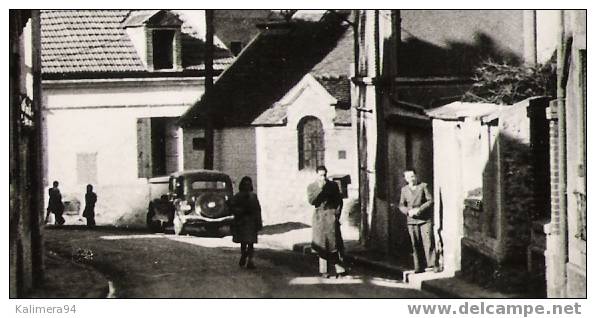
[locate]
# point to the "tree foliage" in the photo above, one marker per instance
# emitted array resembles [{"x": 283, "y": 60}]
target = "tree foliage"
[{"x": 508, "y": 84}]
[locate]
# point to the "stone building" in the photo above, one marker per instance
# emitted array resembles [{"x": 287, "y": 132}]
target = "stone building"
[
  {"x": 281, "y": 109},
  {"x": 409, "y": 61},
  {"x": 115, "y": 82},
  {"x": 423, "y": 59},
  {"x": 491, "y": 186}
]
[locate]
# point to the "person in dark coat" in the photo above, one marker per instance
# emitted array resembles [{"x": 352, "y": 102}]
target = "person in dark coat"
[
  {"x": 89, "y": 212},
  {"x": 55, "y": 204},
  {"x": 416, "y": 203},
  {"x": 324, "y": 194},
  {"x": 247, "y": 221}
]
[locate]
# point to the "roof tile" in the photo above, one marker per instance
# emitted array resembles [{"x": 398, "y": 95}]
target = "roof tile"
[{"x": 87, "y": 41}]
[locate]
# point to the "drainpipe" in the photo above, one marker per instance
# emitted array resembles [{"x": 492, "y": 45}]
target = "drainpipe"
[
  {"x": 557, "y": 253},
  {"x": 360, "y": 137}
]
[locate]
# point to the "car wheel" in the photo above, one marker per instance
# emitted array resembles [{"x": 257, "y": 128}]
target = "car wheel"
[
  {"x": 150, "y": 223},
  {"x": 178, "y": 226},
  {"x": 162, "y": 227}
]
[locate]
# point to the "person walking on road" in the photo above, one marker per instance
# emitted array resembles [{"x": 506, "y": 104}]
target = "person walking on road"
[
  {"x": 247, "y": 221},
  {"x": 416, "y": 203},
  {"x": 55, "y": 204},
  {"x": 89, "y": 212},
  {"x": 324, "y": 194}
]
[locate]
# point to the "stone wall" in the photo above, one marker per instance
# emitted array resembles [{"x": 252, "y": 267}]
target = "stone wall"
[{"x": 495, "y": 249}]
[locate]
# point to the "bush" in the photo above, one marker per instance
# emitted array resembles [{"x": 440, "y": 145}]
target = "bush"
[{"x": 507, "y": 84}]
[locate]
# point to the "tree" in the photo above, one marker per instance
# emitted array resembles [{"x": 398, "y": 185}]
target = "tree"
[{"x": 507, "y": 84}]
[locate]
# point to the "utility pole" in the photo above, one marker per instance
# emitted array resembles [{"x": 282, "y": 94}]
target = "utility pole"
[{"x": 209, "y": 31}]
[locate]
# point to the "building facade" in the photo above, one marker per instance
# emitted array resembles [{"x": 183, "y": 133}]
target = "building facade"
[
  {"x": 115, "y": 83},
  {"x": 285, "y": 111},
  {"x": 566, "y": 249}
]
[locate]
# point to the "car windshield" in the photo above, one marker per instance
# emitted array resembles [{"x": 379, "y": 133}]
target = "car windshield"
[{"x": 208, "y": 185}]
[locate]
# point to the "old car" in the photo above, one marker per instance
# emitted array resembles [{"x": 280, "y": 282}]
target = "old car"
[{"x": 194, "y": 198}]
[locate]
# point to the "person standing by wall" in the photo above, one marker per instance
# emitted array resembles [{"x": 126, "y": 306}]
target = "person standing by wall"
[
  {"x": 416, "y": 203},
  {"x": 247, "y": 221},
  {"x": 324, "y": 194},
  {"x": 55, "y": 204},
  {"x": 89, "y": 212}
]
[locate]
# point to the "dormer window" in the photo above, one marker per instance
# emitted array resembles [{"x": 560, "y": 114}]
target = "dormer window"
[
  {"x": 156, "y": 37},
  {"x": 163, "y": 49}
]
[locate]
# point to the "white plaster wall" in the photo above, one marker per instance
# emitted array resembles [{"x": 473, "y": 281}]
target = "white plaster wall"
[
  {"x": 282, "y": 186},
  {"x": 101, "y": 118},
  {"x": 448, "y": 186},
  {"x": 235, "y": 154},
  {"x": 546, "y": 34},
  {"x": 193, "y": 159},
  {"x": 138, "y": 36}
]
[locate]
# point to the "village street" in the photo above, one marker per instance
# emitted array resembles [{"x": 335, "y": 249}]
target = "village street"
[
  {"x": 147, "y": 265},
  {"x": 450, "y": 145}
]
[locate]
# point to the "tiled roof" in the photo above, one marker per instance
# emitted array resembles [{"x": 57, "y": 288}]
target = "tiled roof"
[
  {"x": 240, "y": 25},
  {"x": 277, "y": 116},
  {"x": 273, "y": 116},
  {"x": 338, "y": 62},
  {"x": 338, "y": 87},
  {"x": 265, "y": 71},
  {"x": 138, "y": 17},
  {"x": 95, "y": 41}
]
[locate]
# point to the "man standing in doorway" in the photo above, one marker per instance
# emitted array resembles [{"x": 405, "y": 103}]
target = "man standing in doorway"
[
  {"x": 416, "y": 202},
  {"x": 324, "y": 194}
]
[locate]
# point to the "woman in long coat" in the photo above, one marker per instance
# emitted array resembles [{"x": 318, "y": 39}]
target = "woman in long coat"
[
  {"x": 324, "y": 194},
  {"x": 89, "y": 212},
  {"x": 247, "y": 221}
]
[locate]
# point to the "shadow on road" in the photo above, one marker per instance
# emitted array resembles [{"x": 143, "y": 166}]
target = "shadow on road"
[
  {"x": 169, "y": 266},
  {"x": 282, "y": 228}
]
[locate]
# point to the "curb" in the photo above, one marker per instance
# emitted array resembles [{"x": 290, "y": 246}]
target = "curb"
[
  {"x": 388, "y": 268},
  {"x": 439, "y": 291},
  {"x": 378, "y": 265},
  {"x": 454, "y": 287}
]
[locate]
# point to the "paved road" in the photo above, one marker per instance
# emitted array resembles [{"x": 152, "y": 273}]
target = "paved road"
[{"x": 145, "y": 265}]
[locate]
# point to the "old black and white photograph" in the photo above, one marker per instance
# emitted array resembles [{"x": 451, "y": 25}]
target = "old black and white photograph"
[{"x": 298, "y": 154}]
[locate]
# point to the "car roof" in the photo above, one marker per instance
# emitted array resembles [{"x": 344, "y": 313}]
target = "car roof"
[{"x": 205, "y": 172}]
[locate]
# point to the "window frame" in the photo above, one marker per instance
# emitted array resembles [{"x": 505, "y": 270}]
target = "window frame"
[
  {"x": 157, "y": 66},
  {"x": 310, "y": 159}
]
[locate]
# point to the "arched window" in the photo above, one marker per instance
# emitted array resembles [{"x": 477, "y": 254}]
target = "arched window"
[{"x": 311, "y": 143}]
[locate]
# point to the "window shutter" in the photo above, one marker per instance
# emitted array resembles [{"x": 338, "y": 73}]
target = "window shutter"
[
  {"x": 171, "y": 145},
  {"x": 144, "y": 147}
]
